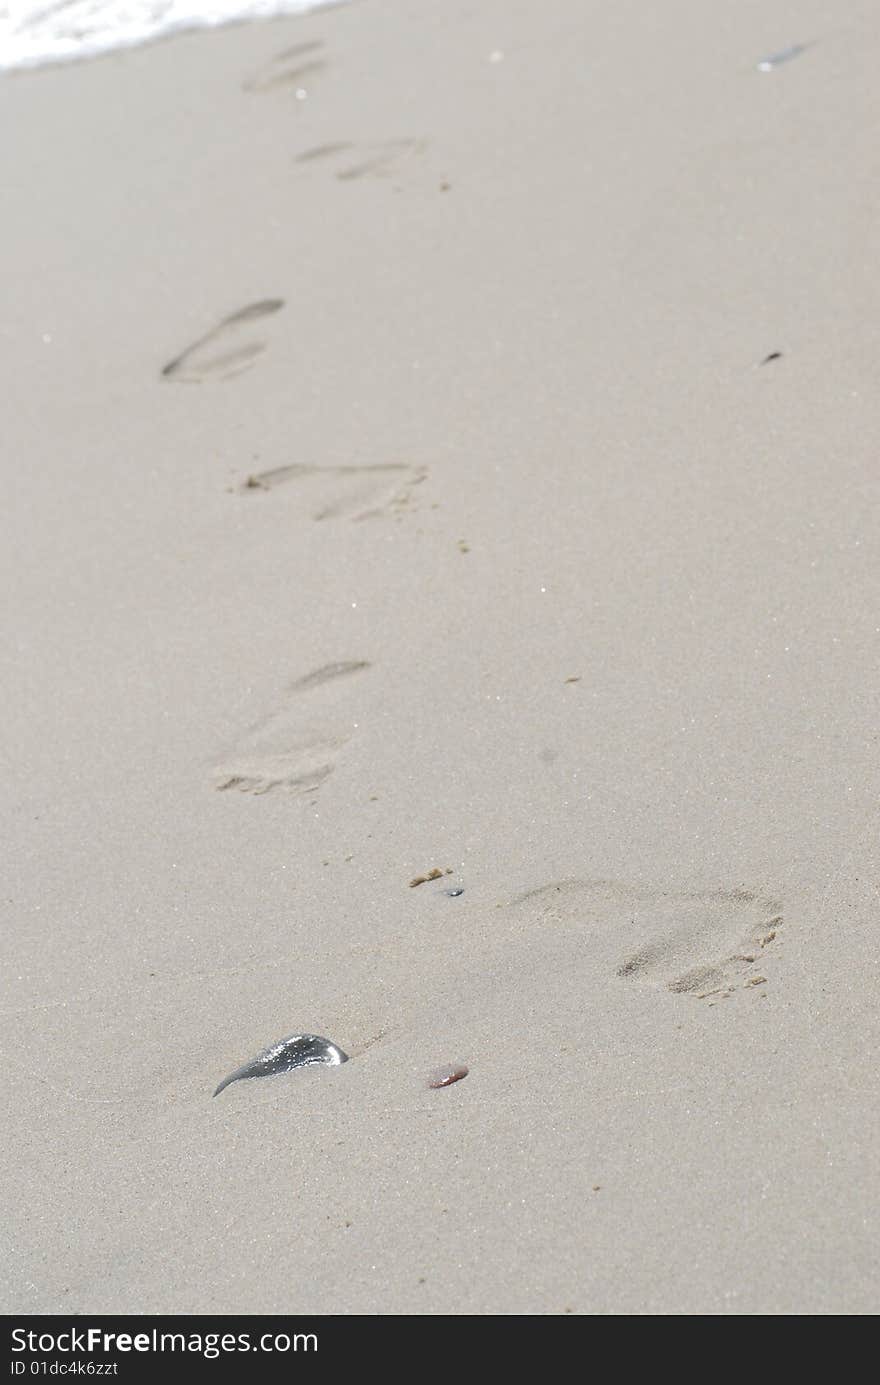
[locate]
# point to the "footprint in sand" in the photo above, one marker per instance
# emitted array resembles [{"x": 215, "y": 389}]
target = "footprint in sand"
[
  {"x": 351, "y": 161},
  {"x": 294, "y": 67},
  {"x": 295, "y": 749},
  {"x": 700, "y": 944},
  {"x": 227, "y": 350},
  {"x": 347, "y": 492}
]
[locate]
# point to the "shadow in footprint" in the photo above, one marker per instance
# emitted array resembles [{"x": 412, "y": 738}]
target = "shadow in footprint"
[
  {"x": 225, "y": 351},
  {"x": 295, "y": 749},
  {"x": 352, "y": 492},
  {"x": 379, "y": 160},
  {"x": 293, "y": 67},
  {"x": 699, "y": 944}
]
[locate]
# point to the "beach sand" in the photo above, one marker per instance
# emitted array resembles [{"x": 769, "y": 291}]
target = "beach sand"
[{"x": 473, "y": 536}]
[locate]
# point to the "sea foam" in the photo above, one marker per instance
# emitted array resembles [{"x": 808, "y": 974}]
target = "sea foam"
[{"x": 33, "y": 32}]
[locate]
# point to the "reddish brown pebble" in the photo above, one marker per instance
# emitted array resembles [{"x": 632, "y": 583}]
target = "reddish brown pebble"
[{"x": 449, "y": 1073}]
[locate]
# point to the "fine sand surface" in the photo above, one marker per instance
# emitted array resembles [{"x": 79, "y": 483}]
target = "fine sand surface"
[{"x": 392, "y": 483}]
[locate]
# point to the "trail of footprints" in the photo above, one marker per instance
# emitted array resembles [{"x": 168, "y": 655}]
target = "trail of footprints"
[
  {"x": 341, "y": 491},
  {"x": 296, "y": 748},
  {"x": 703, "y": 945},
  {"x": 298, "y": 68}
]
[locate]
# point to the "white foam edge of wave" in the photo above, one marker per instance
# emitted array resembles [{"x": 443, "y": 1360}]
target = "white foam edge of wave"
[{"x": 35, "y": 32}]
